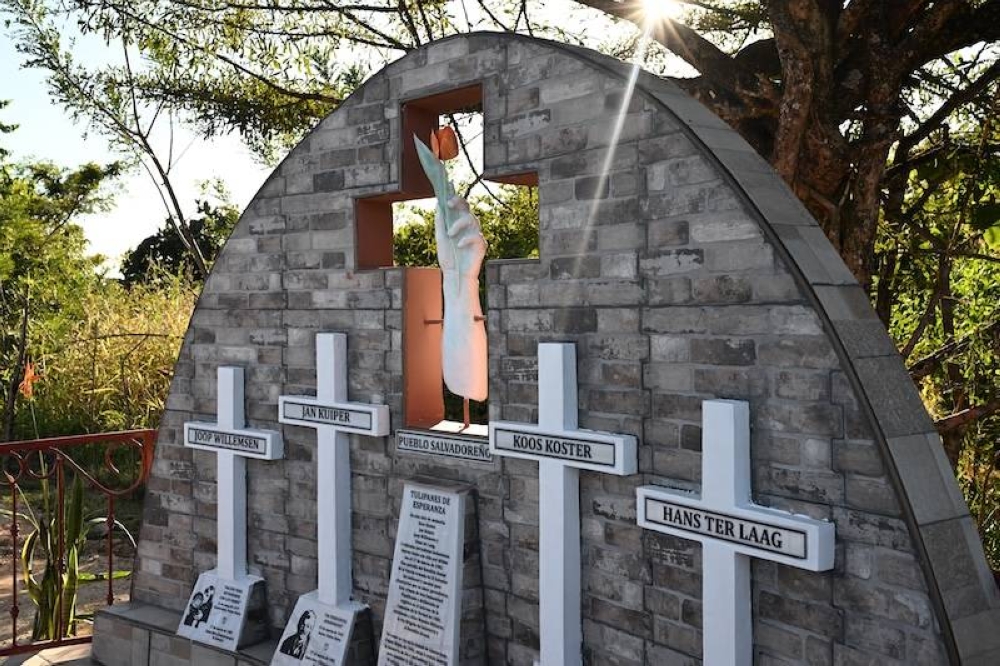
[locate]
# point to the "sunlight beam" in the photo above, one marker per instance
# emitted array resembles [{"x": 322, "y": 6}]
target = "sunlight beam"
[{"x": 616, "y": 132}]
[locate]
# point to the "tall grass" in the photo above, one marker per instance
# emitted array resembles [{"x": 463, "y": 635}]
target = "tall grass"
[{"x": 111, "y": 369}]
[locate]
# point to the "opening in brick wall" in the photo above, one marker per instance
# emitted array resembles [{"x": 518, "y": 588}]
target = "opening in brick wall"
[{"x": 397, "y": 229}]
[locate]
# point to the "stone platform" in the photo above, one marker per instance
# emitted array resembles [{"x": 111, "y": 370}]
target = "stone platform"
[
  {"x": 69, "y": 655},
  {"x": 138, "y": 634}
]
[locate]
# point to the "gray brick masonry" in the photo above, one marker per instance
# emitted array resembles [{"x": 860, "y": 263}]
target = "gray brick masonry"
[{"x": 686, "y": 272}]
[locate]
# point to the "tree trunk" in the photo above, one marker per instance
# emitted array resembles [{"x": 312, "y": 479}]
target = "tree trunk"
[{"x": 18, "y": 375}]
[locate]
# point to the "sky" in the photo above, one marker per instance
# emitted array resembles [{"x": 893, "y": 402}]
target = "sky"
[{"x": 46, "y": 132}]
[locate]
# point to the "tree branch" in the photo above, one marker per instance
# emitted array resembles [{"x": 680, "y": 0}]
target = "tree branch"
[
  {"x": 957, "y": 100},
  {"x": 928, "y": 363},
  {"x": 925, "y": 318},
  {"x": 712, "y": 62},
  {"x": 967, "y": 416},
  {"x": 314, "y": 97}
]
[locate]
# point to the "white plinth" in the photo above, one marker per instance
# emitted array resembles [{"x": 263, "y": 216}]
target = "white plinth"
[{"x": 225, "y": 613}]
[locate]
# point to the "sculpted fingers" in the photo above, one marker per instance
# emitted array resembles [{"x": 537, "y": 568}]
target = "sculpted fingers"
[
  {"x": 463, "y": 223},
  {"x": 471, "y": 240},
  {"x": 458, "y": 203}
]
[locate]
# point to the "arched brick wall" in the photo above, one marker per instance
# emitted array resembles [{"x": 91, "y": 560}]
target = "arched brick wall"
[{"x": 691, "y": 272}]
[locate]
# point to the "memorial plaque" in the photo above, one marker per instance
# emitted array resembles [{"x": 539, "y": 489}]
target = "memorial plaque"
[
  {"x": 225, "y": 613},
  {"x": 316, "y": 634},
  {"x": 752, "y": 535},
  {"x": 476, "y": 449},
  {"x": 309, "y": 412},
  {"x": 213, "y": 438},
  {"x": 594, "y": 450},
  {"x": 423, "y": 608}
]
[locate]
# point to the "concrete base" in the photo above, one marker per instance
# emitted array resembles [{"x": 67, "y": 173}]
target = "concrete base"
[
  {"x": 70, "y": 655},
  {"x": 137, "y": 634}
]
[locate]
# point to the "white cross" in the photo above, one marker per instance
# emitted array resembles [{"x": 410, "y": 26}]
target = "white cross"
[
  {"x": 333, "y": 417},
  {"x": 562, "y": 450},
  {"x": 732, "y": 529},
  {"x": 233, "y": 444}
]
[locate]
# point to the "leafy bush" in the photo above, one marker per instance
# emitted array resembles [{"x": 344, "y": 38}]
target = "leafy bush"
[{"x": 163, "y": 253}]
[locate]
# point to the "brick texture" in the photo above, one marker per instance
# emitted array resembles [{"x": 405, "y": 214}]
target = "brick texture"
[{"x": 685, "y": 271}]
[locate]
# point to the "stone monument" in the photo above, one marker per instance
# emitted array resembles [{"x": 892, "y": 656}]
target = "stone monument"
[
  {"x": 682, "y": 271},
  {"x": 424, "y": 609}
]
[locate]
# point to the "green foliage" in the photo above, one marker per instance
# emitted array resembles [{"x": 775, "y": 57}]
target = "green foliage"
[
  {"x": 43, "y": 264},
  {"x": 940, "y": 263},
  {"x": 111, "y": 368},
  {"x": 105, "y": 352},
  {"x": 4, "y": 129},
  {"x": 509, "y": 224},
  {"x": 163, "y": 251},
  {"x": 53, "y": 594}
]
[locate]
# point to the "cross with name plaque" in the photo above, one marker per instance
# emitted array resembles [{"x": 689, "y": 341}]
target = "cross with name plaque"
[
  {"x": 562, "y": 449},
  {"x": 319, "y": 628},
  {"x": 732, "y": 529},
  {"x": 224, "y": 606}
]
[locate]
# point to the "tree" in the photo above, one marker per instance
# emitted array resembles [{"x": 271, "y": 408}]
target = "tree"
[
  {"x": 164, "y": 250},
  {"x": 946, "y": 287},
  {"x": 945, "y": 279},
  {"x": 42, "y": 259},
  {"x": 109, "y": 99}
]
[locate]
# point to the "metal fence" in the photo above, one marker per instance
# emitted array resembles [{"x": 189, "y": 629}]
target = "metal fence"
[{"x": 60, "y": 505}]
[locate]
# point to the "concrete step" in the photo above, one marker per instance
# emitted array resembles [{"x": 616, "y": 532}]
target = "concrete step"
[{"x": 70, "y": 655}]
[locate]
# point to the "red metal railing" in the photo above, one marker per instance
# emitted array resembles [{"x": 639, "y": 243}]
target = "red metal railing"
[{"x": 112, "y": 465}]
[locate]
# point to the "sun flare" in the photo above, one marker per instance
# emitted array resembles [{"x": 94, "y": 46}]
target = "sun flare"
[{"x": 657, "y": 10}]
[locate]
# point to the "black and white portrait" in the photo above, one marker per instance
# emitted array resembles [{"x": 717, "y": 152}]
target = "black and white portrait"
[
  {"x": 200, "y": 607},
  {"x": 295, "y": 645}
]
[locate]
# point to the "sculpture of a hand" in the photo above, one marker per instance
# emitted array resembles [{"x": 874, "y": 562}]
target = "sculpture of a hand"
[{"x": 461, "y": 249}]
